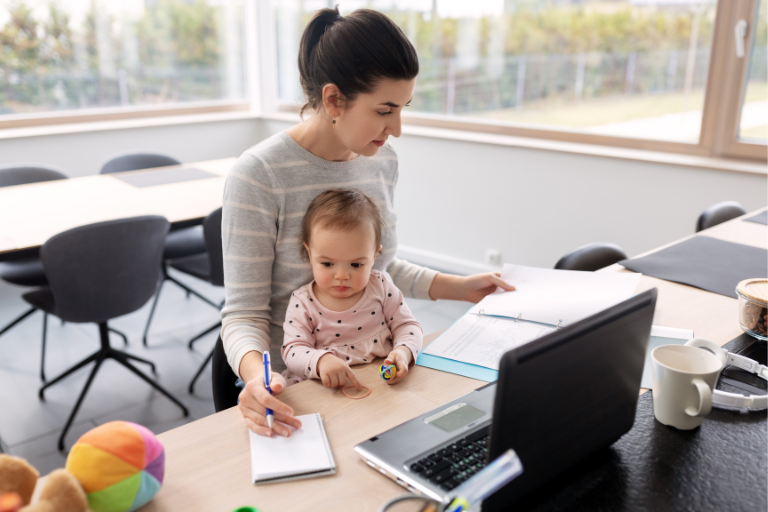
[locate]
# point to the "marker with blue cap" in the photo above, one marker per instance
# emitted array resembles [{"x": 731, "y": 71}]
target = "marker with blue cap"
[{"x": 267, "y": 375}]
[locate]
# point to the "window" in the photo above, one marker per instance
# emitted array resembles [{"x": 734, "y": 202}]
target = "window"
[
  {"x": 63, "y": 55},
  {"x": 633, "y": 73},
  {"x": 753, "y": 122}
]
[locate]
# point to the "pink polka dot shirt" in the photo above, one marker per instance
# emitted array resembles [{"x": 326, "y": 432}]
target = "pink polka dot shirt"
[{"x": 371, "y": 328}]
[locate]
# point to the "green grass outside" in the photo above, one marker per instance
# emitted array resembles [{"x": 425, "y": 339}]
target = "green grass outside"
[{"x": 592, "y": 112}]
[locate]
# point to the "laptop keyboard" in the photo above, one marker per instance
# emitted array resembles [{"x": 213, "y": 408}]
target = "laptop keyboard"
[{"x": 452, "y": 464}]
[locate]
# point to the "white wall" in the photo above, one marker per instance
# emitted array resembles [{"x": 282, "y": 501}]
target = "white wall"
[{"x": 456, "y": 199}]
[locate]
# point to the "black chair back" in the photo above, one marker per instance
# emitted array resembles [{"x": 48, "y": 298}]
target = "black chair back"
[
  {"x": 225, "y": 392},
  {"x": 104, "y": 270},
  {"x": 591, "y": 257},
  {"x": 719, "y": 213},
  {"x": 212, "y": 232},
  {"x": 136, "y": 161},
  {"x": 28, "y": 173}
]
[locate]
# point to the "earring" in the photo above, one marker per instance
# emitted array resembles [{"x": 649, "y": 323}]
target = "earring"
[{"x": 334, "y": 121}]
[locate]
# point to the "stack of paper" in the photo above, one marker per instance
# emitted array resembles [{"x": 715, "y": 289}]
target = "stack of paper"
[{"x": 543, "y": 300}]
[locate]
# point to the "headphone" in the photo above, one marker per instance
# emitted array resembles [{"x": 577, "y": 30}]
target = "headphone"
[{"x": 752, "y": 402}]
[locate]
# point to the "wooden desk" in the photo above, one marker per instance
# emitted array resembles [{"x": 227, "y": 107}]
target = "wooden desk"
[
  {"x": 208, "y": 461},
  {"x": 35, "y": 212}
]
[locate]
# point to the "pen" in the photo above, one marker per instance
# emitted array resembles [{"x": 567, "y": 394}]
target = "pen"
[{"x": 267, "y": 375}]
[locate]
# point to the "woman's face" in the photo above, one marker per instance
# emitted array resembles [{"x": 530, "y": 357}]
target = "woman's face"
[{"x": 364, "y": 124}]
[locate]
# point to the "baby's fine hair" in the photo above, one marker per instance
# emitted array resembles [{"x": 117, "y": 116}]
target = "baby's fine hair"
[{"x": 344, "y": 209}]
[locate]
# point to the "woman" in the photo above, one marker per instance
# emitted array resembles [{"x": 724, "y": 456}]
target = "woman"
[{"x": 358, "y": 72}]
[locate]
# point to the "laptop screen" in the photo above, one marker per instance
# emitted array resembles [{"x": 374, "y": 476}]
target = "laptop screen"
[{"x": 569, "y": 394}]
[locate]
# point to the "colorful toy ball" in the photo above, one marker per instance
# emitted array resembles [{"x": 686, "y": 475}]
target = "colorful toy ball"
[
  {"x": 120, "y": 466},
  {"x": 388, "y": 372}
]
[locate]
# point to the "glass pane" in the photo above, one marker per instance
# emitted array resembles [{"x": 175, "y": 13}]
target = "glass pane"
[
  {"x": 628, "y": 68},
  {"x": 78, "y": 54},
  {"x": 753, "y": 124}
]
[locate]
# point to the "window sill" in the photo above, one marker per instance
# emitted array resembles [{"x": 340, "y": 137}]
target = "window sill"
[
  {"x": 169, "y": 119},
  {"x": 641, "y": 155},
  {"x": 684, "y": 160}
]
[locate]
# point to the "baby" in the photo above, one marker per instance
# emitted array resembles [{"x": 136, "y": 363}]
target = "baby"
[{"x": 350, "y": 314}]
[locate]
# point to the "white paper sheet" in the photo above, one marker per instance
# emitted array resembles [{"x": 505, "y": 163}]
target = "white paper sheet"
[
  {"x": 482, "y": 340},
  {"x": 552, "y": 296},
  {"x": 305, "y": 452}
]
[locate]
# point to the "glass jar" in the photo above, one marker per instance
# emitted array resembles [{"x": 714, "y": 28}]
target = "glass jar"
[{"x": 753, "y": 299}]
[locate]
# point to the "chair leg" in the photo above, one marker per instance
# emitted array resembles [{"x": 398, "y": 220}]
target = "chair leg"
[
  {"x": 69, "y": 372},
  {"x": 213, "y": 328},
  {"x": 152, "y": 310},
  {"x": 72, "y": 415},
  {"x": 193, "y": 292},
  {"x": 120, "y": 358},
  {"x": 199, "y": 371},
  {"x": 141, "y": 360},
  {"x": 18, "y": 319},
  {"x": 42, "y": 356},
  {"x": 121, "y": 334}
]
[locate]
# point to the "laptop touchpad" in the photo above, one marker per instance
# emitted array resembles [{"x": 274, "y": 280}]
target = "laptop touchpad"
[{"x": 454, "y": 417}]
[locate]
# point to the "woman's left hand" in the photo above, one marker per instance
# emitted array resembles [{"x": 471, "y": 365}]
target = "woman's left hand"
[{"x": 468, "y": 288}]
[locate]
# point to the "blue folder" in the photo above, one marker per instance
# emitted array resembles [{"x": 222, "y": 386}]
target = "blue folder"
[{"x": 472, "y": 371}]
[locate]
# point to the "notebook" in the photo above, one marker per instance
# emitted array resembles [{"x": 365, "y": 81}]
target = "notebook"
[
  {"x": 543, "y": 301},
  {"x": 306, "y": 454}
]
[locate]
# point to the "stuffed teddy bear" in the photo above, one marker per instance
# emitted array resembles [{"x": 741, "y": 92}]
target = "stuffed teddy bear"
[{"x": 62, "y": 491}]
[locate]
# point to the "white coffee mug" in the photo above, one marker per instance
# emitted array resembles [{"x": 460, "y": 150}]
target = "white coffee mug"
[{"x": 683, "y": 379}]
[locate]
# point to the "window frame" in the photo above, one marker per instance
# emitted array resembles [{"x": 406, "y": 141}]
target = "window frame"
[
  {"x": 719, "y": 128},
  {"x": 722, "y": 104}
]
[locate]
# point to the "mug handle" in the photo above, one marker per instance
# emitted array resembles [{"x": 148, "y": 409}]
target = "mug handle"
[{"x": 705, "y": 400}]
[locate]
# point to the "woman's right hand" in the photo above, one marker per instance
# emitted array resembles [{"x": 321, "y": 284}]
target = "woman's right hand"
[{"x": 255, "y": 399}]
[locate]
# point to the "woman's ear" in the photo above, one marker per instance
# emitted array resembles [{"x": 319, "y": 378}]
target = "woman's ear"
[{"x": 333, "y": 100}]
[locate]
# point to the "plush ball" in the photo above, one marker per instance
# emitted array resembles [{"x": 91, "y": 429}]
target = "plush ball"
[
  {"x": 119, "y": 464},
  {"x": 387, "y": 372}
]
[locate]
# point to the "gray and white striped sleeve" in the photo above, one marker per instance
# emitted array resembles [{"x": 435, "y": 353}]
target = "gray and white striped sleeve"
[
  {"x": 413, "y": 280},
  {"x": 249, "y": 232}
]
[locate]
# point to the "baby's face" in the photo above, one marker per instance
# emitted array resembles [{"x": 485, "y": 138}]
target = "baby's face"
[{"x": 341, "y": 260}]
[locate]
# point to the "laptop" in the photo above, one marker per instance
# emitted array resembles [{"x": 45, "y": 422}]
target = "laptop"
[{"x": 558, "y": 400}]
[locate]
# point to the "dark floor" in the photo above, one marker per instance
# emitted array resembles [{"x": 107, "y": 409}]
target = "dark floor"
[{"x": 30, "y": 428}]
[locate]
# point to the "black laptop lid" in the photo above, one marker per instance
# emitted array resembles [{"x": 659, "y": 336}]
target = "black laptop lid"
[{"x": 565, "y": 396}]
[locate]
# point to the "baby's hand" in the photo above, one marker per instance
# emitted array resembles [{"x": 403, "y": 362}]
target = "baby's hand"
[
  {"x": 334, "y": 372},
  {"x": 401, "y": 357}
]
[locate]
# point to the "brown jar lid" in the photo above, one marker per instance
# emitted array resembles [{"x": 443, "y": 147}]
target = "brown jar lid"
[{"x": 755, "y": 289}]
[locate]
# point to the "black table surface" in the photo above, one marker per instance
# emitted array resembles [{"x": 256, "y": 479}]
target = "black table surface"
[{"x": 721, "y": 466}]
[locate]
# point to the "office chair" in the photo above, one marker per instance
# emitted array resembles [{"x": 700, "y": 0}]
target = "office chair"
[
  {"x": 208, "y": 267},
  {"x": 27, "y": 271},
  {"x": 96, "y": 273},
  {"x": 591, "y": 257},
  {"x": 225, "y": 392},
  {"x": 719, "y": 213},
  {"x": 179, "y": 242}
]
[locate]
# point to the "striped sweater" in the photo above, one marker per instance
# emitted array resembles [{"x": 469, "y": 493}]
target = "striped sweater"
[{"x": 266, "y": 195}]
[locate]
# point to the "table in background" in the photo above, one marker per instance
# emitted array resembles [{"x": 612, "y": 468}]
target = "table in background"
[
  {"x": 208, "y": 461},
  {"x": 34, "y": 212}
]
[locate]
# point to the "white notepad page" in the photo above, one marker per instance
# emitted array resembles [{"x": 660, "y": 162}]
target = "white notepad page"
[{"x": 302, "y": 455}]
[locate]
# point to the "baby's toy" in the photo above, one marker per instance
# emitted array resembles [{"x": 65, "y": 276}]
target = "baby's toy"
[
  {"x": 116, "y": 467},
  {"x": 62, "y": 492},
  {"x": 120, "y": 466},
  {"x": 388, "y": 372}
]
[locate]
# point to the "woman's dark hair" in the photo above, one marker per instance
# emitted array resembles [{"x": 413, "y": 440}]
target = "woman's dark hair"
[
  {"x": 353, "y": 52},
  {"x": 344, "y": 209}
]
